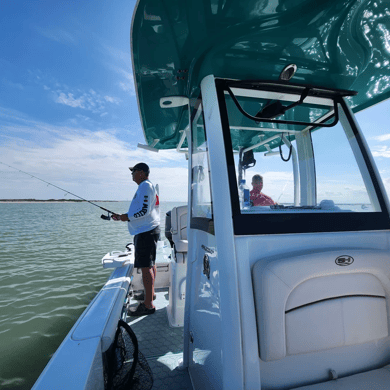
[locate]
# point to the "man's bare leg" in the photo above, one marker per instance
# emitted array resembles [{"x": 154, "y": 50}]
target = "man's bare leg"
[{"x": 148, "y": 276}]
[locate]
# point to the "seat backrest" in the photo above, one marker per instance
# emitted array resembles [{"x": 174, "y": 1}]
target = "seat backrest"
[
  {"x": 308, "y": 304},
  {"x": 179, "y": 228},
  {"x": 334, "y": 311}
]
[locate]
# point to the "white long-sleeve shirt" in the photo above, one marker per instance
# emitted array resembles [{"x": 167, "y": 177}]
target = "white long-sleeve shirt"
[{"x": 143, "y": 213}]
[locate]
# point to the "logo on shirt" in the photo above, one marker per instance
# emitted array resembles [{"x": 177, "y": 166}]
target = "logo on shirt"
[{"x": 144, "y": 208}]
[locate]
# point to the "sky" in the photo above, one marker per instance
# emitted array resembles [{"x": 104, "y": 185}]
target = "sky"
[{"x": 68, "y": 109}]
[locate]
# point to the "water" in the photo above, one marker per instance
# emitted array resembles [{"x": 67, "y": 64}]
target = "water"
[{"x": 50, "y": 269}]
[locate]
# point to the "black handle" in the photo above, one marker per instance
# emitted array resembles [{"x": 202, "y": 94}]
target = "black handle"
[{"x": 206, "y": 266}]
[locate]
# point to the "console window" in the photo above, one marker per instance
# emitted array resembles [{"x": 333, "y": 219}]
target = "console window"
[
  {"x": 201, "y": 206},
  {"x": 296, "y": 161},
  {"x": 291, "y": 167}
]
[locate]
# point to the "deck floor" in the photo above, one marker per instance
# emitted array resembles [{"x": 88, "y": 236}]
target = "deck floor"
[{"x": 162, "y": 345}]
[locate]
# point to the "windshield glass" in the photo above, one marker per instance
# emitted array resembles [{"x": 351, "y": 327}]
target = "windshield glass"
[{"x": 295, "y": 167}]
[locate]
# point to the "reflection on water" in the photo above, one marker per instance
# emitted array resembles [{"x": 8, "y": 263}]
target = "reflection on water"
[{"x": 50, "y": 269}]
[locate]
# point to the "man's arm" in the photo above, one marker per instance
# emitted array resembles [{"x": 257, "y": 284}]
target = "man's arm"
[{"x": 122, "y": 217}]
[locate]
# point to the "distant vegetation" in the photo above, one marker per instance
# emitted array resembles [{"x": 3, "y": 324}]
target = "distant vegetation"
[{"x": 52, "y": 200}]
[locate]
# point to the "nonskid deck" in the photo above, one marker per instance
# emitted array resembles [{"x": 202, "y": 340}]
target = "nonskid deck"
[{"x": 162, "y": 345}]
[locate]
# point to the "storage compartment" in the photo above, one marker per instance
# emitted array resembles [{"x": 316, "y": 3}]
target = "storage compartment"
[
  {"x": 335, "y": 323},
  {"x": 177, "y": 291},
  {"x": 315, "y": 317}
]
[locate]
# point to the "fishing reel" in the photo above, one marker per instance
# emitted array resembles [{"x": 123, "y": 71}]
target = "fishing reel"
[{"x": 106, "y": 217}]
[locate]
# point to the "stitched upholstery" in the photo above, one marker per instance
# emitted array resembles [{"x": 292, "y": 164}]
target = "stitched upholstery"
[{"x": 299, "y": 282}]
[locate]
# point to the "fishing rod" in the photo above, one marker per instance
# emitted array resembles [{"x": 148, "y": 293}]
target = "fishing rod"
[
  {"x": 105, "y": 217},
  {"x": 282, "y": 192}
]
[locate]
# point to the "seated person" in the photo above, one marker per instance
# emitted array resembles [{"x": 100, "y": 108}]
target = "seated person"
[{"x": 256, "y": 196}]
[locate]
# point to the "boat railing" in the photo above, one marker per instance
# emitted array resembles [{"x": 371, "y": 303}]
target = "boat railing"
[{"x": 78, "y": 362}]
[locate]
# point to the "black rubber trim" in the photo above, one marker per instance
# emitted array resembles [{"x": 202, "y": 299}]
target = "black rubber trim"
[
  {"x": 365, "y": 157},
  {"x": 330, "y": 299},
  {"x": 201, "y": 223},
  {"x": 288, "y": 87},
  {"x": 287, "y": 122}
]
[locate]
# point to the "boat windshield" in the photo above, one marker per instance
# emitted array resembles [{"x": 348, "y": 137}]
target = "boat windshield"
[{"x": 295, "y": 155}]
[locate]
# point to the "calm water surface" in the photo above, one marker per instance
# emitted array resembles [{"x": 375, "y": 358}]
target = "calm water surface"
[{"x": 50, "y": 269}]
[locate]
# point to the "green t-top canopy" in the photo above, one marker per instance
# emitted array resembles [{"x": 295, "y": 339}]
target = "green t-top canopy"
[{"x": 335, "y": 44}]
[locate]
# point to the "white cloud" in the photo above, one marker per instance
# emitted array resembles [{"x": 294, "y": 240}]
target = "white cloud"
[
  {"x": 93, "y": 165},
  {"x": 117, "y": 54},
  {"x": 69, "y": 100},
  {"x": 341, "y": 192},
  {"x": 122, "y": 66},
  {"x": 277, "y": 176},
  {"x": 112, "y": 99},
  {"x": 90, "y": 101},
  {"x": 86, "y": 99},
  {"x": 57, "y": 35},
  {"x": 386, "y": 183},
  {"x": 381, "y": 138},
  {"x": 381, "y": 151},
  {"x": 127, "y": 87},
  {"x": 128, "y": 84},
  {"x": 172, "y": 182}
]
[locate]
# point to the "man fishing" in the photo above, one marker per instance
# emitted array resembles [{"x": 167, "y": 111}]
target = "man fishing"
[{"x": 144, "y": 224}]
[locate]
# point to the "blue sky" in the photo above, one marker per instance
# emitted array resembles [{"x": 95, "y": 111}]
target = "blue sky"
[{"x": 68, "y": 110}]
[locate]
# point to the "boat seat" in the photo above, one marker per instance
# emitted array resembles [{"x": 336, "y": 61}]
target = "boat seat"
[
  {"x": 307, "y": 306},
  {"x": 372, "y": 380},
  {"x": 179, "y": 231}
]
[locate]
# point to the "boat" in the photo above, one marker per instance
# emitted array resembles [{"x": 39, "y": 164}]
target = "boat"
[{"x": 292, "y": 293}]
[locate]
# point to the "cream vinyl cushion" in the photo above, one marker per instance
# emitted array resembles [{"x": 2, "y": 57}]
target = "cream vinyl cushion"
[
  {"x": 179, "y": 228},
  {"x": 308, "y": 303},
  {"x": 372, "y": 380}
]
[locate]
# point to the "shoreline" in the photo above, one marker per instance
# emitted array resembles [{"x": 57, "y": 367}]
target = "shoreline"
[
  {"x": 53, "y": 201},
  {"x": 72, "y": 201}
]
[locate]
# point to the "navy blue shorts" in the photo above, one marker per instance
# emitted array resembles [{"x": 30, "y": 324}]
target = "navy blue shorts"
[{"x": 145, "y": 245}]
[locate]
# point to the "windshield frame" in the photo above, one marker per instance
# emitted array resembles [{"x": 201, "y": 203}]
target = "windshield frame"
[{"x": 295, "y": 222}]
